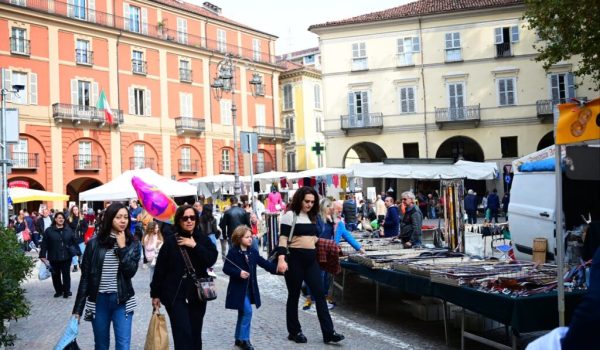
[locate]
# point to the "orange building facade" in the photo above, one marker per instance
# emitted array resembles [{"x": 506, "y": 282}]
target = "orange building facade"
[{"x": 155, "y": 62}]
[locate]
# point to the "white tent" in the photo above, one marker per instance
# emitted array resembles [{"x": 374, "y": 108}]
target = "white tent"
[
  {"x": 459, "y": 170},
  {"x": 319, "y": 172},
  {"x": 271, "y": 175},
  {"x": 121, "y": 188},
  {"x": 220, "y": 179}
]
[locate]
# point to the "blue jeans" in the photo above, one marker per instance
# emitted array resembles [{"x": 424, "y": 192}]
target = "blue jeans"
[
  {"x": 432, "y": 214},
  {"x": 255, "y": 243},
  {"x": 213, "y": 239},
  {"x": 242, "y": 327},
  {"x": 107, "y": 310}
]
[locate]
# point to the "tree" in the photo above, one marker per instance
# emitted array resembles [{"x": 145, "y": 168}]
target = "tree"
[
  {"x": 14, "y": 269},
  {"x": 567, "y": 28}
]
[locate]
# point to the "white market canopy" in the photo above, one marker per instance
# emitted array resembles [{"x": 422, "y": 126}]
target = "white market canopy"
[
  {"x": 121, "y": 188},
  {"x": 221, "y": 179},
  {"x": 319, "y": 172},
  {"x": 459, "y": 170},
  {"x": 22, "y": 195}
]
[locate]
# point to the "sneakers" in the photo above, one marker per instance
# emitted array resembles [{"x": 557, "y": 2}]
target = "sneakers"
[
  {"x": 211, "y": 272},
  {"x": 330, "y": 303},
  {"x": 307, "y": 304}
]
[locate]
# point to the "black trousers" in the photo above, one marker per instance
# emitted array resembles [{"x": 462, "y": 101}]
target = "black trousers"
[
  {"x": 303, "y": 266},
  {"x": 61, "y": 269},
  {"x": 186, "y": 323}
]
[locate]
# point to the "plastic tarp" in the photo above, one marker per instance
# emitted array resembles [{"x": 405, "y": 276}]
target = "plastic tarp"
[
  {"x": 459, "y": 170},
  {"x": 21, "y": 195},
  {"x": 539, "y": 165},
  {"x": 121, "y": 189},
  {"x": 320, "y": 172}
]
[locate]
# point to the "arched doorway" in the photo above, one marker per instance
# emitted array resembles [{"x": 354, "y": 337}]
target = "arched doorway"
[
  {"x": 32, "y": 184},
  {"x": 368, "y": 152},
  {"x": 464, "y": 148},
  {"x": 82, "y": 184},
  {"x": 547, "y": 140}
]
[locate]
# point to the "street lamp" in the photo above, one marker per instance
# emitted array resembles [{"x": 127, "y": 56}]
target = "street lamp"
[
  {"x": 224, "y": 81},
  {"x": 4, "y": 160}
]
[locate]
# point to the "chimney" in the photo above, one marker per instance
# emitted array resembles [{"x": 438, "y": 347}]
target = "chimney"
[{"x": 212, "y": 8}]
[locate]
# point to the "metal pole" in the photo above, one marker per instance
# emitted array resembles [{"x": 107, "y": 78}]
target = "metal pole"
[
  {"x": 251, "y": 176},
  {"x": 559, "y": 238},
  {"x": 3, "y": 186},
  {"x": 236, "y": 175}
]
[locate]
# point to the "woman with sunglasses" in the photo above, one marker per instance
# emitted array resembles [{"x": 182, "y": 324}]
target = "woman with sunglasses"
[
  {"x": 171, "y": 284},
  {"x": 302, "y": 264}
]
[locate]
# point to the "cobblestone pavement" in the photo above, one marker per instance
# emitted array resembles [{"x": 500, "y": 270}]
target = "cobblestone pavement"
[{"x": 393, "y": 328}]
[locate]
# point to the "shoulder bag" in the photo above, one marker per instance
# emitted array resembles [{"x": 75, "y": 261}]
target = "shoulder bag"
[
  {"x": 205, "y": 287},
  {"x": 273, "y": 256}
]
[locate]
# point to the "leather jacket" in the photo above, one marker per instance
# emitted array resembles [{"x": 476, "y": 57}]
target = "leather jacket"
[
  {"x": 233, "y": 217},
  {"x": 91, "y": 272},
  {"x": 59, "y": 244}
]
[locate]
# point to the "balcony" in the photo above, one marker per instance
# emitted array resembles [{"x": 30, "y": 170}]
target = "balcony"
[
  {"x": 141, "y": 163},
  {"x": 20, "y": 46},
  {"x": 88, "y": 114},
  {"x": 161, "y": 32},
  {"x": 185, "y": 75},
  {"x": 458, "y": 115},
  {"x": 370, "y": 121},
  {"x": 139, "y": 67},
  {"x": 269, "y": 134},
  {"x": 25, "y": 161},
  {"x": 187, "y": 165},
  {"x": 191, "y": 125},
  {"x": 545, "y": 108},
  {"x": 262, "y": 167},
  {"x": 503, "y": 50},
  {"x": 226, "y": 167},
  {"x": 84, "y": 57},
  {"x": 86, "y": 162}
]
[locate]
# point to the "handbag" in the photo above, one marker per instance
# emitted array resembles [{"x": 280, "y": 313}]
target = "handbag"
[
  {"x": 157, "y": 337},
  {"x": 26, "y": 233},
  {"x": 273, "y": 256},
  {"x": 205, "y": 287},
  {"x": 44, "y": 271}
]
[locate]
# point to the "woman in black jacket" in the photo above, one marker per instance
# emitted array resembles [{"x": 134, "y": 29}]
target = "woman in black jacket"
[
  {"x": 58, "y": 247},
  {"x": 171, "y": 283},
  {"x": 105, "y": 289},
  {"x": 79, "y": 225}
]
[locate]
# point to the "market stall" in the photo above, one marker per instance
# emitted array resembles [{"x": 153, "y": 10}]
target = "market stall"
[{"x": 22, "y": 195}]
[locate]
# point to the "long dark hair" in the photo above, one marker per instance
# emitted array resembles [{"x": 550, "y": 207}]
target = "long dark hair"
[
  {"x": 207, "y": 212},
  {"x": 296, "y": 204},
  {"x": 179, "y": 214},
  {"x": 61, "y": 214},
  {"x": 104, "y": 237}
]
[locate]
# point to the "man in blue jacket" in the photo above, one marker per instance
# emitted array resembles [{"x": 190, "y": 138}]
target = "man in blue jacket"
[
  {"x": 493, "y": 204},
  {"x": 471, "y": 207},
  {"x": 391, "y": 224}
]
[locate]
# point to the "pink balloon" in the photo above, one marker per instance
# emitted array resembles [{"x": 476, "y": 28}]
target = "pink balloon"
[{"x": 156, "y": 203}]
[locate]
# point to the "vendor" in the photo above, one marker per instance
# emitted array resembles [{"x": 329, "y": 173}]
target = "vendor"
[
  {"x": 391, "y": 224},
  {"x": 410, "y": 225}
]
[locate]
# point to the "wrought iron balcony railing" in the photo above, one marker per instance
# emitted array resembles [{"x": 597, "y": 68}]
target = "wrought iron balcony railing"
[
  {"x": 185, "y": 124},
  {"x": 154, "y": 30},
  {"x": 361, "y": 121},
  {"x": 139, "y": 66},
  {"x": 141, "y": 163},
  {"x": 83, "y": 162},
  {"x": 185, "y": 75},
  {"x": 503, "y": 50},
  {"x": 545, "y": 108},
  {"x": 85, "y": 57},
  {"x": 78, "y": 114},
  {"x": 23, "y": 160},
  {"x": 187, "y": 165},
  {"x": 20, "y": 46},
  {"x": 458, "y": 114},
  {"x": 270, "y": 134}
]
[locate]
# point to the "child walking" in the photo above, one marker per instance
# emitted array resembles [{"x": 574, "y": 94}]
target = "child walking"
[{"x": 242, "y": 291}]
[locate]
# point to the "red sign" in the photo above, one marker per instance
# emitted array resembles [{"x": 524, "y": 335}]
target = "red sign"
[{"x": 19, "y": 183}]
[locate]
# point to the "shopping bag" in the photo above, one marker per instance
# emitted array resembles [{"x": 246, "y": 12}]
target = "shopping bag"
[
  {"x": 44, "y": 271},
  {"x": 157, "y": 337},
  {"x": 67, "y": 341}
]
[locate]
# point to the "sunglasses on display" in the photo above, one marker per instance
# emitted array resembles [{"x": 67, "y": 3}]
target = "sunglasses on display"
[{"x": 186, "y": 218}]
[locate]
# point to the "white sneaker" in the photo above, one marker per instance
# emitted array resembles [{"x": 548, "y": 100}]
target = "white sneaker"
[
  {"x": 330, "y": 305},
  {"x": 211, "y": 272}
]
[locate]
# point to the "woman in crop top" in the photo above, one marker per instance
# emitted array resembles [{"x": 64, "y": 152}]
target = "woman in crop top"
[{"x": 302, "y": 263}]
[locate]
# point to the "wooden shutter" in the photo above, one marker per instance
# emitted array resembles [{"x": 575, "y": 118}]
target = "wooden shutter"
[
  {"x": 570, "y": 85},
  {"x": 365, "y": 103},
  {"x": 148, "y": 96},
  {"x": 74, "y": 92},
  {"x": 144, "y": 20},
  {"x": 510, "y": 91},
  {"x": 416, "y": 45},
  {"x": 411, "y": 99},
  {"x": 33, "y": 93},
  {"x": 351, "y": 103},
  {"x": 92, "y": 10},
  {"x": 514, "y": 34},
  {"x": 449, "y": 40},
  {"x": 554, "y": 87},
  {"x": 502, "y": 92},
  {"x": 498, "y": 39},
  {"x": 130, "y": 93}
]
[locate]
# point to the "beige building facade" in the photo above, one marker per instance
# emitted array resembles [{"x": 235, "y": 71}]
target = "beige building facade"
[{"x": 436, "y": 81}]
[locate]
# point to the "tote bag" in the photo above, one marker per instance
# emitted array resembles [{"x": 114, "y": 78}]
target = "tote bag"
[{"x": 157, "y": 337}]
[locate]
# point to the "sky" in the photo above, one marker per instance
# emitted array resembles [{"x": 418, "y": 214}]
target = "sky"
[{"x": 289, "y": 20}]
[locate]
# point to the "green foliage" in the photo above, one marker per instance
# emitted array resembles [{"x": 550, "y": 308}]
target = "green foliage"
[
  {"x": 567, "y": 28},
  {"x": 14, "y": 269}
]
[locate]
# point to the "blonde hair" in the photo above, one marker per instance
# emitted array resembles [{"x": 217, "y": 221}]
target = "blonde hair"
[
  {"x": 238, "y": 234},
  {"x": 150, "y": 231}
]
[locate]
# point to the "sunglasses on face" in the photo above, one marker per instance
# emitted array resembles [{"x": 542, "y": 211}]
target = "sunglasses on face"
[{"x": 186, "y": 218}]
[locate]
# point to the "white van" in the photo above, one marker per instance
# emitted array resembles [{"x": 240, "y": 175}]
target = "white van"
[{"x": 532, "y": 206}]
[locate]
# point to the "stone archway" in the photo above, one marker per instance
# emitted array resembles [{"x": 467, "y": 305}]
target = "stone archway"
[
  {"x": 82, "y": 184},
  {"x": 545, "y": 141},
  {"x": 461, "y": 148},
  {"x": 364, "y": 152}
]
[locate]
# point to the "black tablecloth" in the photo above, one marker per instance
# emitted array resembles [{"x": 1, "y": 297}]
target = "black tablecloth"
[{"x": 523, "y": 314}]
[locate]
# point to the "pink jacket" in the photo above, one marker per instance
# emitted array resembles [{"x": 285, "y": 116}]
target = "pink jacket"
[{"x": 273, "y": 199}]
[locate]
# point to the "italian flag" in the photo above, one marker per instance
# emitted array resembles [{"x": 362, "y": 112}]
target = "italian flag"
[{"x": 103, "y": 104}]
